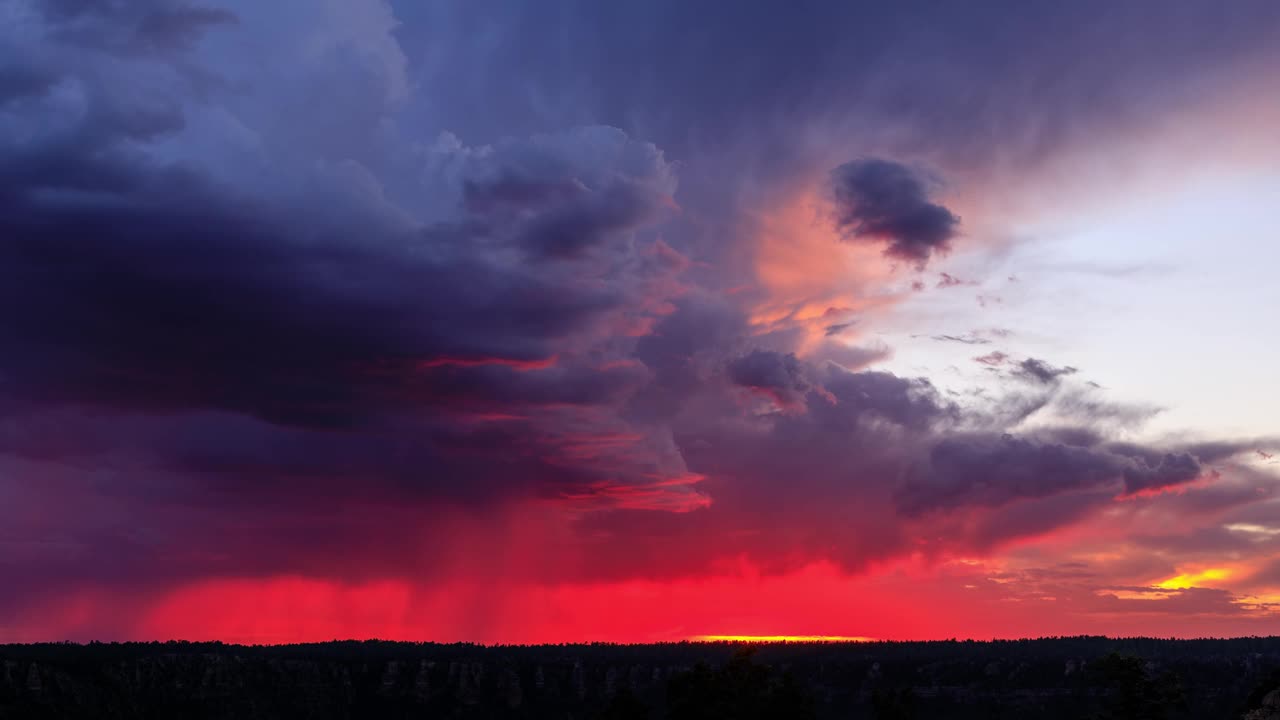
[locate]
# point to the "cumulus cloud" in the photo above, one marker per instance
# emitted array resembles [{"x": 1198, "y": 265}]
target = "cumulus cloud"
[
  {"x": 775, "y": 374},
  {"x": 251, "y": 342},
  {"x": 886, "y": 202},
  {"x": 283, "y": 319},
  {"x": 993, "y": 470}
]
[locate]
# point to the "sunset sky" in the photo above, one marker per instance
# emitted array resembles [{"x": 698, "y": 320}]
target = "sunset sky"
[{"x": 569, "y": 320}]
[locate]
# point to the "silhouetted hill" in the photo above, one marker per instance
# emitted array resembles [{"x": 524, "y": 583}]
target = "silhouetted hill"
[{"x": 1079, "y": 677}]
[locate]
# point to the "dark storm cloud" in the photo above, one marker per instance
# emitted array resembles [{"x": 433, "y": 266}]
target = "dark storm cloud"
[
  {"x": 231, "y": 462},
  {"x": 261, "y": 315},
  {"x": 572, "y": 230},
  {"x": 685, "y": 351},
  {"x": 885, "y": 202},
  {"x": 989, "y": 470},
  {"x": 163, "y": 293},
  {"x": 993, "y": 471},
  {"x": 136, "y": 26},
  {"x": 910, "y": 402},
  {"x": 886, "y": 79},
  {"x": 169, "y": 309},
  {"x": 241, "y": 356},
  {"x": 1029, "y": 518},
  {"x": 294, "y": 347},
  {"x": 1169, "y": 470},
  {"x": 563, "y": 207},
  {"x": 1078, "y": 436},
  {"x": 871, "y": 458},
  {"x": 767, "y": 370},
  {"x": 18, "y": 81},
  {"x": 1215, "y": 451}
]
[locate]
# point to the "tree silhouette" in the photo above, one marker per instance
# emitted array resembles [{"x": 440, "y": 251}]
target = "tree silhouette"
[
  {"x": 1134, "y": 694},
  {"x": 894, "y": 705},
  {"x": 1264, "y": 702},
  {"x": 625, "y": 706},
  {"x": 740, "y": 690}
]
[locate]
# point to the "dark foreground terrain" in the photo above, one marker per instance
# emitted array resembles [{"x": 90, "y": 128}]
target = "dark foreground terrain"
[{"x": 1082, "y": 677}]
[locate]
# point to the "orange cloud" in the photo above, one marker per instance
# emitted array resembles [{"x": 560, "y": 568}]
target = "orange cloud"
[{"x": 810, "y": 279}]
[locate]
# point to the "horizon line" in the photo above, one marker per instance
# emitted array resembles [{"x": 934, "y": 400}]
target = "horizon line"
[{"x": 693, "y": 640}]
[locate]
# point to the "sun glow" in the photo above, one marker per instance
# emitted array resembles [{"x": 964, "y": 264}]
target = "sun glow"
[
  {"x": 1187, "y": 580},
  {"x": 782, "y": 638}
]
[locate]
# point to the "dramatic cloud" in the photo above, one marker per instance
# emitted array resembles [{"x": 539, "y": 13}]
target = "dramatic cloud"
[
  {"x": 134, "y": 27},
  {"x": 166, "y": 295},
  {"x": 379, "y": 300},
  {"x": 882, "y": 201},
  {"x": 769, "y": 372},
  {"x": 993, "y": 471}
]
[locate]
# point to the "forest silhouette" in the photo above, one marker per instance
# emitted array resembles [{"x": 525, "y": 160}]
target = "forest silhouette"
[{"x": 1077, "y": 678}]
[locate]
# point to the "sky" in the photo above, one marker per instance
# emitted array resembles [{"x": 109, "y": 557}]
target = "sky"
[{"x": 523, "y": 322}]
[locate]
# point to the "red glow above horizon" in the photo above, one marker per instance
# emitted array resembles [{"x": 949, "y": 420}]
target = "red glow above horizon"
[{"x": 817, "y": 603}]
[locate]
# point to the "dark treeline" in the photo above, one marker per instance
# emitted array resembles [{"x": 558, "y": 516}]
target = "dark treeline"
[{"x": 1093, "y": 678}]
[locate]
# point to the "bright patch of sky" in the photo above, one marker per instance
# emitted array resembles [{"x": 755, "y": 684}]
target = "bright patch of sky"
[{"x": 1170, "y": 295}]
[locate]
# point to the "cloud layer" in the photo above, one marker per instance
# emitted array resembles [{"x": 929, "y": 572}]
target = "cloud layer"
[{"x": 265, "y": 315}]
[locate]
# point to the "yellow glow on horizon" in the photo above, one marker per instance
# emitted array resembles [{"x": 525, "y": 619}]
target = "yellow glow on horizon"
[
  {"x": 781, "y": 638},
  {"x": 1187, "y": 580}
]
